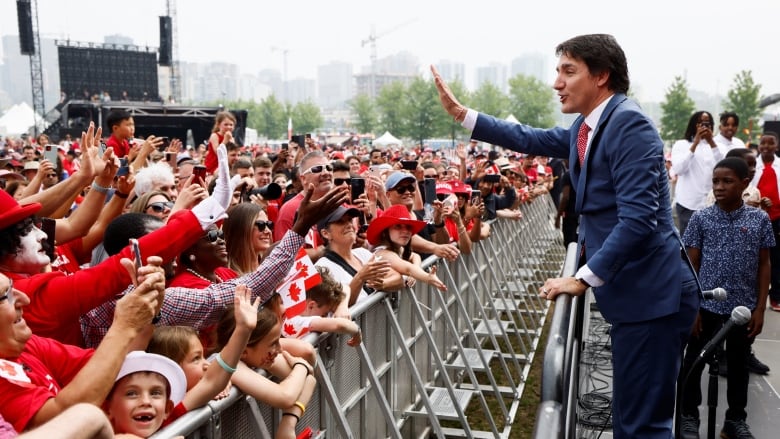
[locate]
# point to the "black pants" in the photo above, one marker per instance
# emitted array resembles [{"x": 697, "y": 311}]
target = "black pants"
[
  {"x": 737, "y": 351},
  {"x": 774, "y": 259}
]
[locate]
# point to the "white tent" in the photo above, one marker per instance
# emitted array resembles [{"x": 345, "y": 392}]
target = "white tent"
[
  {"x": 17, "y": 120},
  {"x": 512, "y": 118},
  {"x": 386, "y": 139}
]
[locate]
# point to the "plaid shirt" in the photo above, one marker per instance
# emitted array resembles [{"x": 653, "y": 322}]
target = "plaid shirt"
[{"x": 201, "y": 308}]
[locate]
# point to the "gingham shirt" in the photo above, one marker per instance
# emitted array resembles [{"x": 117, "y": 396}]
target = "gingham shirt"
[{"x": 201, "y": 308}]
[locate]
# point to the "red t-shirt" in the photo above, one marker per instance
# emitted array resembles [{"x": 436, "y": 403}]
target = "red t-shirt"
[
  {"x": 66, "y": 258},
  {"x": 121, "y": 147},
  {"x": 41, "y": 371}
]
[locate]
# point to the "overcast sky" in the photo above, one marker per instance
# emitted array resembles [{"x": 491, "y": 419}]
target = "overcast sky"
[{"x": 706, "y": 42}]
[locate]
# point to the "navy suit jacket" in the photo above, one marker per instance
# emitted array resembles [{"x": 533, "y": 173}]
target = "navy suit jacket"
[{"x": 622, "y": 196}]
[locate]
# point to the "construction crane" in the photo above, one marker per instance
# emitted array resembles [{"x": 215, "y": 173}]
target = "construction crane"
[{"x": 372, "y": 41}]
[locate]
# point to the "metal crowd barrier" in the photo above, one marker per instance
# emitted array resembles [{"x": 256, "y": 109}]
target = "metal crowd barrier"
[
  {"x": 556, "y": 415},
  {"x": 431, "y": 363}
]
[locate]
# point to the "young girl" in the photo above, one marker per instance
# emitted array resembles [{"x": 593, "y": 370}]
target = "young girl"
[
  {"x": 391, "y": 234},
  {"x": 221, "y": 133},
  {"x": 297, "y": 383},
  {"x": 182, "y": 345}
]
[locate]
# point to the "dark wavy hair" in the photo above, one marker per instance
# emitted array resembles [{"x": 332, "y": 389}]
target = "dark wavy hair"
[
  {"x": 693, "y": 122},
  {"x": 600, "y": 52},
  {"x": 11, "y": 237}
]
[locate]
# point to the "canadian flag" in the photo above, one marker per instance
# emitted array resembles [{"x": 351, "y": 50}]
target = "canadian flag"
[
  {"x": 289, "y": 128},
  {"x": 302, "y": 276}
]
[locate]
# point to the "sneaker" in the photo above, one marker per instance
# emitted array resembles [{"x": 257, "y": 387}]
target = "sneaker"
[
  {"x": 774, "y": 304},
  {"x": 736, "y": 430},
  {"x": 689, "y": 427},
  {"x": 755, "y": 365}
]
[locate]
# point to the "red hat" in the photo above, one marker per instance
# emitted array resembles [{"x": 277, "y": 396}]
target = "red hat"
[
  {"x": 12, "y": 212},
  {"x": 396, "y": 214},
  {"x": 444, "y": 188},
  {"x": 460, "y": 187}
]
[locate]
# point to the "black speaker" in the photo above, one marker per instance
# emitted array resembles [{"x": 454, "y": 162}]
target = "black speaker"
[
  {"x": 166, "y": 39},
  {"x": 26, "y": 40}
]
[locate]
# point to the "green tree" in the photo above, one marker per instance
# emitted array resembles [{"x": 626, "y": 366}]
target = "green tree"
[
  {"x": 743, "y": 99},
  {"x": 422, "y": 110},
  {"x": 676, "y": 109},
  {"x": 306, "y": 117},
  {"x": 531, "y": 101},
  {"x": 489, "y": 100},
  {"x": 271, "y": 118},
  {"x": 365, "y": 113},
  {"x": 389, "y": 102}
]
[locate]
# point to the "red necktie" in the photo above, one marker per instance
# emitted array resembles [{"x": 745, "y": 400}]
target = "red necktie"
[{"x": 582, "y": 141}]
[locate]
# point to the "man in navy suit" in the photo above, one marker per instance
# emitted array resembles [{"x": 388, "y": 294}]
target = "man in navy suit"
[{"x": 631, "y": 253}]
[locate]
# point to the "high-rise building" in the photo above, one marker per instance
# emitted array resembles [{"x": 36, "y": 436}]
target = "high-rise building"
[
  {"x": 532, "y": 64},
  {"x": 335, "y": 84},
  {"x": 301, "y": 90},
  {"x": 452, "y": 70},
  {"x": 494, "y": 73}
]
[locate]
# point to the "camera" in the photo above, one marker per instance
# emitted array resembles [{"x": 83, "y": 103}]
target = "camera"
[{"x": 271, "y": 191}]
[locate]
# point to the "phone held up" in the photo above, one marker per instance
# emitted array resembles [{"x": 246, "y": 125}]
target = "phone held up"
[{"x": 198, "y": 174}]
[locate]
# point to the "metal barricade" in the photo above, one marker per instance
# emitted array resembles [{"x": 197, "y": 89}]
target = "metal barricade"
[{"x": 425, "y": 354}]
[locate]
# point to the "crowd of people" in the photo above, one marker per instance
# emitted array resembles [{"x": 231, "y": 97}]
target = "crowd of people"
[{"x": 145, "y": 278}]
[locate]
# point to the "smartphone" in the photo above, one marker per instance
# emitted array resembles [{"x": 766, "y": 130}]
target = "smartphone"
[
  {"x": 165, "y": 143},
  {"x": 429, "y": 190},
  {"x": 50, "y": 154},
  {"x": 199, "y": 173},
  {"x": 285, "y": 146},
  {"x": 170, "y": 157},
  {"x": 124, "y": 168},
  {"x": 48, "y": 226},
  {"x": 493, "y": 178},
  {"x": 136, "y": 253},
  {"x": 409, "y": 165},
  {"x": 476, "y": 197},
  {"x": 357, "y": 188}
]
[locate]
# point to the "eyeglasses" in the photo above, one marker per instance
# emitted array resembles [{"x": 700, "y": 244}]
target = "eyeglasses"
[
  {"x": 214, "y": 234},
  {"x": 316, "y": 169},
  {"x": 404, "y": 189},
  {"x": 160, "y": 206},
  {"x": 9, "y": 293},
  {"x": 340, "y": 181},
  {"x": 262, "y": 225}
]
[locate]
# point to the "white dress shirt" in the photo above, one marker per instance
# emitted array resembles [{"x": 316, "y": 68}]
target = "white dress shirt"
[{"x": 694, "y": 172}]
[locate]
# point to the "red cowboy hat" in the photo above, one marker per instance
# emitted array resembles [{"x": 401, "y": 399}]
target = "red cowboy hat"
[
  {"x": 12, "y": 212},
  {"x": 397, "y": 214}
]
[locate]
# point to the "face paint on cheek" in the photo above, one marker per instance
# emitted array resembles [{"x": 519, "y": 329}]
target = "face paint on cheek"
[{"x": 31, "y": 252}]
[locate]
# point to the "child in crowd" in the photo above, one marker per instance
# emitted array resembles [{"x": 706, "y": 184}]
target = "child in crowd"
[
  {"x": 182, "y": 345},
  {"x": 122, "y": 127},
  {"x": 297, "y": 383},
  {"x": 222, "y": 133},
  {"x": 321, "y": 302},
  {"x": 147, "y": 388},
  {"x": 728, "y": 244},
  {"x": 391, "y": 234}
]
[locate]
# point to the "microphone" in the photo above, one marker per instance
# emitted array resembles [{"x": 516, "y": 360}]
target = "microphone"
[
  {"x": 718, "y": 294},
  {"x": 739, "y": 316}
]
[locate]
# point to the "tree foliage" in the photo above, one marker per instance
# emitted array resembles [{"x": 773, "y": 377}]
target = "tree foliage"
[
  {"x": 489, "y": 99},
  {"x": 365, "y": 113},
  {"x": 531, "y": 101},
  {"x": 676, "y": 109},
  {"x": 743, "y": 98},
  {"x": 390, "y": 103},
  {"x": 306, "y": 117},
  {"x": 423, "y": 115}
]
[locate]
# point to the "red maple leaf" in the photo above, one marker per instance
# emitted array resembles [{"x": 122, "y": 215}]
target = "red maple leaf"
[
  {"x": 289, "y": 328},
  {"x": 295, "y": 292},
  {"x": 302, "y": 269}
]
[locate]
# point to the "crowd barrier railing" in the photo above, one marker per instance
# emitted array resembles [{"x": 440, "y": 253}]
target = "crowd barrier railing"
[
  {"x": 426, "y": 355},
  {"x": 556, "y": 414}
]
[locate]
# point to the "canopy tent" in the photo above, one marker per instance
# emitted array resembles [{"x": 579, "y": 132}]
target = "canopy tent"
[
  {"x": 512, "y": 118},
  {"x": 17, "y": 120},
  {"x": 386, "y": 139}
]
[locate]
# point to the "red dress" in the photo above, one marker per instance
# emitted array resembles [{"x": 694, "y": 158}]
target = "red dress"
[{"x": 211, "y": 161}]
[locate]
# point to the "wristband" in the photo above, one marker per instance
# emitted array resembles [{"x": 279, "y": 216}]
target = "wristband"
[
  {"x": 101, "y": 189},
  {"x": 301, "y": 406},
  {"x": 121, "y": 195},
  {"x": 304, "y": 365},
  {"x": 223, "y": 365}
]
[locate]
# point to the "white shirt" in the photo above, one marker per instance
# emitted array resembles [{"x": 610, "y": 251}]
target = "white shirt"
[
  {"x": 694, "y": 172},
  {"x": 341, "y": 275},
  {"x": 725, "y": 145}
]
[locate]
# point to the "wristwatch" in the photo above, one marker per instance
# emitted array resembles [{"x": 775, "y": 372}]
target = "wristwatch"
[{"x": 582, "y": 281}]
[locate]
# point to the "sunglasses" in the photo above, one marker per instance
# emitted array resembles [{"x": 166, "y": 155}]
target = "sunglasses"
[
  {"x": 160, "y": 207},
  {"x": 340, "y": 181},
  {"x": 404, "y": 189},
  {"x": 262, "y": 225},
  {"x": 215, "y": 234},
  {"x": 316, "y": 169},
  {"x": 9, "y": 293}
]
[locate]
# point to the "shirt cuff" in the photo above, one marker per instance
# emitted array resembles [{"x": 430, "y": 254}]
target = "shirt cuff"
[
  {"x": 592, "y": 280},
  {"x": 208, "y": 212},
  {"x": 471, "y": 119}
]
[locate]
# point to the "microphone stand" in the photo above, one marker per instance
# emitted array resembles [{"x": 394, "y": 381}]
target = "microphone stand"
[{"x": 712, "y": 392}]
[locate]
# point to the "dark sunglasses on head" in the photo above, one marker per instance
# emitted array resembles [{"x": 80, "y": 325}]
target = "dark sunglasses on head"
[
  {"x": 340, "y": 181},
  {"x": 404, "y": 189},
  {"x": 160, "y": 206},
  {"x": 316, "y": 169},
  {"x": 214, "y": 234},
  {"x": 262, "y": 225}
]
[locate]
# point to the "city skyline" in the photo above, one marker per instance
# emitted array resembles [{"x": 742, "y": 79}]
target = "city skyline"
[{"x": 661, "y": 41}]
